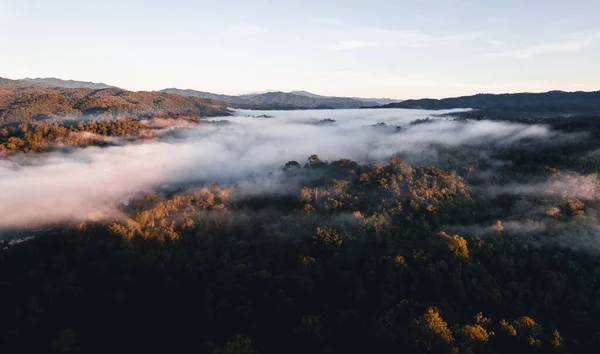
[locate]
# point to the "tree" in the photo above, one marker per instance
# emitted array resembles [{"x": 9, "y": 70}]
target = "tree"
[
  {"x": 456, "y": 245},
  {"x": 432, "y": 330},
  {"x": 291, "y": 165},
  {"x": 498, "y": 227},
  {"x": 472, "y": 335},
  {"x": 241, "y": 345},
  {"x": 65, "y": 340},
  {"x": 314, "y": 160},
  {"x": 557, "y": 340},
  {"x": 328, "y": 236}
]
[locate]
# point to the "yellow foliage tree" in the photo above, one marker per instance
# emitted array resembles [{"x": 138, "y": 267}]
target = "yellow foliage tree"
[
  {"x": 456, "y": 244},
  {"x": 432, "y": 330}
]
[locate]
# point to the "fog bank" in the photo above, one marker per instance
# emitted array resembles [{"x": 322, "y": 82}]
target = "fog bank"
[{"x": 80, "y": 183}]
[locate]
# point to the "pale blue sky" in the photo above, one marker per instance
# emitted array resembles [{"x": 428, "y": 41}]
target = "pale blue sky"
[{"x": 399, "y": 49}]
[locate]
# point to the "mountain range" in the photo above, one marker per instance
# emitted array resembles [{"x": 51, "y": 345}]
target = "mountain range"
[
  {"x": 265, "y": 100},
  {"x": 297, "y": 99},
  {"x": 501, "y": 106},
  {"x": 508, "y": 105},
  {"x": 54, "y": 82},
  {"x": 379, "y": 101}
]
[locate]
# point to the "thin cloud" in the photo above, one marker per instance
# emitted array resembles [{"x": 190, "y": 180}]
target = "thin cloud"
[
  {"x": 545, "y": 48},
  {"x": 342, "y": 45},
  {"x": 491, "y": 87},
  {"x": 494, "y": 42},
  {"x": 356, "y": 38},
  {"x": 327, "y": 21},
  {"x": 244, "y": 29}
]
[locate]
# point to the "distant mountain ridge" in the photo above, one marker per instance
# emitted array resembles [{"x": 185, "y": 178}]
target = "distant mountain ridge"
[
  {"x": 379, "y": 101},
  {"x": 203, "y": 94},
  {"x": 262, "y": 100},
  {"x": 298, "y": 99},
  {"x": 508, "y": 105},
  {"x": 54, "y": 82},
  {"x": 545, "y": 104},
  {"x": 487, "y": 100}
]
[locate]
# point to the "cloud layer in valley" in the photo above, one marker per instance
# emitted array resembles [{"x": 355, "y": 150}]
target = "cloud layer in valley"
[{"x": 49, "y": 187}]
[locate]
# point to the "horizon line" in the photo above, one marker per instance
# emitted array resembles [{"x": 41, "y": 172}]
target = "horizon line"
[{"x": 296, "y": 90}]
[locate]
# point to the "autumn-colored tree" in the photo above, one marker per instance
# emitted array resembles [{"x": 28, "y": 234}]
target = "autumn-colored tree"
[
  {"x": 557, "y": 340},
  {"x": 508, "y": 328},
  {"x": 328, "y": 236},
  {"x": 432, "y": 331},
  {"x": 456, "y": 245},
  {"x": 477, "y": 333},
  {"x": 498, "y": 227}
]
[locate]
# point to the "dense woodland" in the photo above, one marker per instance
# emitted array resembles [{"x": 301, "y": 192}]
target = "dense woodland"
[
  {"x": 357, "y": 260},
  {"x": 32, "y": 136},
  {"x": 360, "y": 258}
]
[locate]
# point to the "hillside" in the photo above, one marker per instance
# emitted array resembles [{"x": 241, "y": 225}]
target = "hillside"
[
  {"x": 547, "y": 104},
  {"x": 20, "y": 103},
  {"x": 356, "y": 261}
]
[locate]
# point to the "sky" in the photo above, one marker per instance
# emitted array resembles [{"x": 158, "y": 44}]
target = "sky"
[{"x": 399, "y": 49}]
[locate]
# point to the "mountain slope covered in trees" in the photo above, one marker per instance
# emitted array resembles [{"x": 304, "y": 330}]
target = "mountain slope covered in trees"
[{"x": 19, "y": 103}]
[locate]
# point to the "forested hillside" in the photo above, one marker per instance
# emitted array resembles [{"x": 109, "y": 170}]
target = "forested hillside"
[
  {"x": 360, "y": 259},
  {"x": 19, "y": 103}
]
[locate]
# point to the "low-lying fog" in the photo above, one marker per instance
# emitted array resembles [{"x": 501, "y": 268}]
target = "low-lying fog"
[{"x": 48, "y": 187}]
